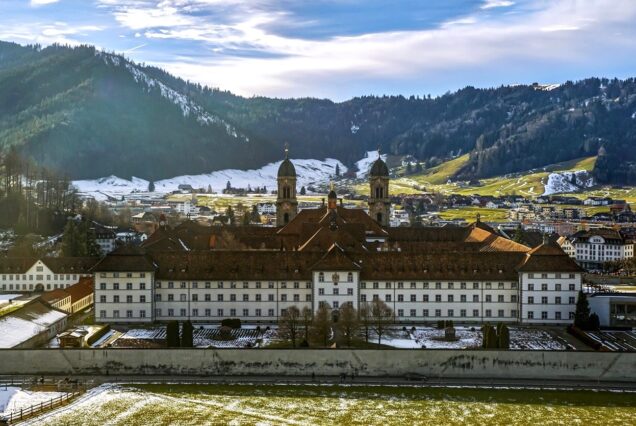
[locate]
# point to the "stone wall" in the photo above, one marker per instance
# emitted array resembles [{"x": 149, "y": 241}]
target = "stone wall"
[{"x": 570, "y": 365}]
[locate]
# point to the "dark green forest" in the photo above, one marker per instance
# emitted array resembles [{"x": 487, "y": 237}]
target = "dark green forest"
[{"x": 88, "y": 114}]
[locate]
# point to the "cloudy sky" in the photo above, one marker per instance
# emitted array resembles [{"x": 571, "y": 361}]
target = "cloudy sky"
[{"x": 342, "y": 48}]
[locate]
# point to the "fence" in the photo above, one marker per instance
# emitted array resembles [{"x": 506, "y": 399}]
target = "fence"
[{"x": 36, "y": 409}]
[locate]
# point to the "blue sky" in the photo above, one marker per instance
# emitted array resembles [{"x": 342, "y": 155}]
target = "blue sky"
[{"x": 343, "y": 48}]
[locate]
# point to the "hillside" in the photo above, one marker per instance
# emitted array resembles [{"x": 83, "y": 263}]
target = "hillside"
[{"x": 92, "y": 114}]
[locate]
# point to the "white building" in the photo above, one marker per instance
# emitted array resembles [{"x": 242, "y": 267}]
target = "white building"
[
  {"x": 592, "y": 248},
  {"x": 22, "y": 274}
]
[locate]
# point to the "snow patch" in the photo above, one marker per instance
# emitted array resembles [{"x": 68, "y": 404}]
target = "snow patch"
[
  {"x": 565, "y": 182},
  {"x": 354, "y": 128},
  {"x": 14, "y": 398}
]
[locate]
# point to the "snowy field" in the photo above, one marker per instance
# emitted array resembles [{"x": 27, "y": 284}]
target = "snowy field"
[
  {"x": 341, "y": 405},
  {"x": 310, "y": 172},
  {"x": 14, "y": 398}
]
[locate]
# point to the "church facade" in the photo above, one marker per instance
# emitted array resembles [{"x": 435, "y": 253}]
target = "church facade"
[{"x": 334, "y": 255}]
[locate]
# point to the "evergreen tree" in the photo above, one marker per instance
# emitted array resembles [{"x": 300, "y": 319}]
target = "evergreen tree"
[
  {"x": 172, "y": 335},
  {"x": 255, "y": 216},
  {"x": 582, "y": 313},
  {"x": 518, "y": 236},
  {"x": 151, "y": 186},
  {"x": 229, "y": 212},
  {"x": 209, "y": 189},
  {"x": 594, "y": 322},
  {"x": 187, "y": 335},
  {"x": 503, "y": 337},
  {"x": 303, "y": 191},
  {"x": 337, "y": 170}
]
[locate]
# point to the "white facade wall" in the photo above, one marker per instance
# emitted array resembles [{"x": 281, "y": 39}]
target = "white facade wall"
[
  {"x": 549, "y": 298},
  {"x": 336, "y": 288},
  {"x": 124, "y": 297},
  {"x": 38, "y": 277},
  {"x": 597, "y": 251}
]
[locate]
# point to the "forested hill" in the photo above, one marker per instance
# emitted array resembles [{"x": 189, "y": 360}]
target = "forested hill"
[{"x": 92, "y": 114}]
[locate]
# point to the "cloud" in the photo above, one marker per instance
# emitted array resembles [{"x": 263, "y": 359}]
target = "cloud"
[
  {"x": 37, "y": 3},
  {"x": 57, "y": 32},
  {"x": 491, "y": 4}
]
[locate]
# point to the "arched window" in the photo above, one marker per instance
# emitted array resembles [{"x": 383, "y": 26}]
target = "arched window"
[
  {"x": 286, "y": 192},
  {"x": 350, "y": 277},
  {"x": 321, "y": 277},
  {"x": 377, "y": 192},
  {"x": 379, "y": 217},
  {"x": 286, "y": 217}
]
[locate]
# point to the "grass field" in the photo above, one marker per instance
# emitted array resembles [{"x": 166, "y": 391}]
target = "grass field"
[{"x": 342, "y": 405}]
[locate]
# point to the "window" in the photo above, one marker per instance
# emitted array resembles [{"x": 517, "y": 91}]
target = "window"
[
  {"x": 195, "y": 312},
  {"x": 376, "y": 285},
  {"x": 258, "y": 312},
  {"x": 142, "y": 286},
  {"x": 219, "y": 312},
  {"x": 246, "y": 312},
  {"x": 530, "y": 300},
  {"x": 387, "y": 285},
  {"x": 413, "y": 297},
  {"x": 557, "y": 287},
  {"x": 208, "y": 297},
  {"x": 129, "y": 299},
  {"x": 462, "y": 298},
  {"x": 195, "y": 297},
  {"x": 425, "y": 298},
  {"x": 142, "y": 299},
  {"x": 195, "y": 284},
  {"x": 182, "y": 297},
  {"x": 500, "y": 298},
  {"x": 557, "y": 315},
  {"x": 116, "y": 299},
  {"x": 400, "y": 312},
  {"x": 246, "y": 298},
  {"x": 350, "y": 292},
  {"x": 425, "y": 285},
  {"x": 500, "y": 313},
  {"x": 283, "y": 297},
  {"x": 307, "y": 297},
  {"x": 129, "y": 314},
  {"x": 350, "y": 277},
  {"x": 336, "y": 291},
  {"x": 363, "y": 285},
  {"x": 451, "y": 298},
  {"x": 572, "y": 287},
  {"x": 488, "y": 298},
  {"x": 475, "y": 286},
  {"x": 321, "y": 291},
  {"x": 102, "y": 314},
  {"x": 102, "y": 299},
  {"x": 170, "y": 284},
  {"x": 247, "y": 284},
  {"x": 363, "y": 297},
  {"x": 544, "y": 287},
  {"x": 208, "y": 312},
  {"x": 438, "y": 285},
  {"x": 116, "y": 286},
  {"x": 158, "y": 297},
  {"x": 438, "y": 297},
  {"x": 258, "y": 297},
  {"x": 557, "y": 300},
  {"x": 501, "y": 286},
  {"x": 321, "y": 277},
  {"x": 270, "y": 312},
  {"x": 232, "y": 284},
  {"x": 400, "y": 285},
  {"x": 488, "y": 286},
  {"x": 232, "y": 297},
  {"x": 488, "y": 313},
  {"x": 102, "y": 286},
  {"x": 571, "y": 301},
  {"x": 451, "y": 313},
  {"x": 296, "y": 297},
  {"x": 513, "y": 298},
  {"x": 171, "y": 312},
  {"x": 425, "y": 312},
  {"x": 544, "y": 315},
  {"x": 451, "y": 285},
  {"x": 157, "y": 312},
  {"x": 462, "y": 286},
  {"x": 270, "y": 297},
  {"x": 544, "y": 300},
  {"x": 220, "y": 284},
  {"x": 438, "y": 312},
  {"x": 376, "y": 297},
  {"x": 475, "y": 312},
  {"x": 232, "y": 312},
  {"x": 513, "y": 285},
  {"x": 462, "y": 313},
  {"x": 336, "y": 304},
  {"x": 400, "y": 298},
  {"x": 544, "y": 275},
  {"x": 387, "y": 298},
  {"x": 115, "y": 314},
  {"x": 475, "y": 298},
  {"x": 530, "y": 287}
]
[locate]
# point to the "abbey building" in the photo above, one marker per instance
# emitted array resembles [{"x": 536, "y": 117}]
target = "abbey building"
[{"x": 335, "y": 255}]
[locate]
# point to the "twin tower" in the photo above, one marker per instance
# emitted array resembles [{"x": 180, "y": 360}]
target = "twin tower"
[{"x": 379, "y": 201}]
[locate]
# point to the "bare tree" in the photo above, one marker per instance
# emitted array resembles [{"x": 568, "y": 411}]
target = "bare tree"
[
  {"x": 321, "y": 325},
  {"x": 306, "y": 317},
  {"x": 381, "y": 317},
  {"x": 348, "y": 323},
  {"x": 364, "y": 314},
  {"x": 289, "y": 325}
]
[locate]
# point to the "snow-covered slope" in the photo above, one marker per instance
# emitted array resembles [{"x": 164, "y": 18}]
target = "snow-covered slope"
[
  {"x": 309, "y": 172},
  {"x": 365, "y": 164},
  {"x": 564, "y": 182}
]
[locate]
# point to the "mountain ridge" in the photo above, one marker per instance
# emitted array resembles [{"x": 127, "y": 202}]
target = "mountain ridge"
[{"x": 91, "y": 114}]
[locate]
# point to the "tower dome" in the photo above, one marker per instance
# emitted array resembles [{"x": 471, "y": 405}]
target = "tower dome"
[
  {"x": 286, "y": 168},
  {"x": 379, "y": 168}
]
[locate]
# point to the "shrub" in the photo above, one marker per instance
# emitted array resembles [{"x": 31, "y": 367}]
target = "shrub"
[
  {"x": 231, "y": 322},
  {"x": 172, "y": 335},
  {"x": 186, "y": 335}
]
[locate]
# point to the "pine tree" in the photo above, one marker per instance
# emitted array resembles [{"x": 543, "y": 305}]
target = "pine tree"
[
  {"x": 151, "y": 186},
  {"x": 504, "y": 337},
  {"x": 303, "y": 191},
  {"x": 187, "y": 335},
  {"x": 229, "y": 212},
  {"x": 582, "y": 313},
  {"x": 337, "y": 170}
]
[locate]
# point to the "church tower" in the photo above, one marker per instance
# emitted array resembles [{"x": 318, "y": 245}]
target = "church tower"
[
  {"x": 286, "y": 202},
  {"x": 379, "y": 201}
]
